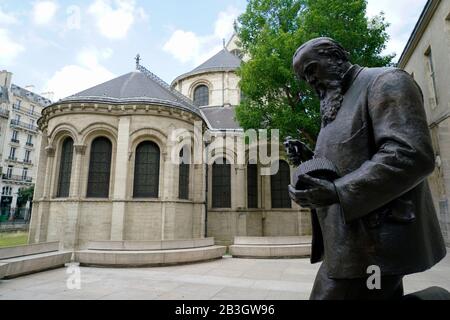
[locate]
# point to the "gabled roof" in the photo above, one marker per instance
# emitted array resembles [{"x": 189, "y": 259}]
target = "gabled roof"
[
  {"x": 222, "y": 61},
  {"x": 140, "y": 86}
]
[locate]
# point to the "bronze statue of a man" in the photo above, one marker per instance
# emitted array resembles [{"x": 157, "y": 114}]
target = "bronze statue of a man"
[{"x": 379, "y": 213}]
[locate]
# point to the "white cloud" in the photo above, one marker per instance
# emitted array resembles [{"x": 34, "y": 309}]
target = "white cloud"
[
  {"x": 402, "y": 16},
  {"x": 7, "y": 18},
  {"x": 9, "y": 49},
  {"x": 44, "y": 12},
  {"x": 189, "y": 47},
  {"x": 78, "y": 77},
  {"x": 114, "y": 21}
]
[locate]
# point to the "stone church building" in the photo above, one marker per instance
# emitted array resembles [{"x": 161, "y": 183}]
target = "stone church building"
[{"x": 105, "y": 170}]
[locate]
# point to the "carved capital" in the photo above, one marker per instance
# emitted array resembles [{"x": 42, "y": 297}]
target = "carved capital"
[
  {"x": 50, "y": 151},
  {"x": 79, "y": 148}
]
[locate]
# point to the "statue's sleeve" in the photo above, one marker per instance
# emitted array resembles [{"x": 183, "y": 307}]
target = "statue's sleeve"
[{"x": 404, "y": 154}]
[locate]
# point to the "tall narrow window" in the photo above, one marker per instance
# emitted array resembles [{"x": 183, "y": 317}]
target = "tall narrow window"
[
  {"x": 65, "y": 168},
  {"x": 432, "y": 74},
  {"x": 99, "y": 168},
  {"x": 12, "y": 154},
  {"x": 252, "y": 186},
  {"x": 279, "y": 187},
  {"x": 146, "y": 171},
  {"x": 221, "y": 184},
  {"x": 183, "y": 179},
  {"x": 201, "y": 96}
]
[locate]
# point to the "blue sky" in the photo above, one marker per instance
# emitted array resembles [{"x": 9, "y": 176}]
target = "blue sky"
[{"x": 65, "y": 46}]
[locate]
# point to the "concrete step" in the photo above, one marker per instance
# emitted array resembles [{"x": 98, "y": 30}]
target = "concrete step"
[
  {"x": 271, "y": 247},
  {"x": 123, "y": 259},
  {"x": 150, "y": 245},
  {"x": 19, "y": 266}
]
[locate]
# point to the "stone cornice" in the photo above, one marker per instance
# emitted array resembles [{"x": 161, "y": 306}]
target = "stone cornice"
[{"x": 131, "y": 109}]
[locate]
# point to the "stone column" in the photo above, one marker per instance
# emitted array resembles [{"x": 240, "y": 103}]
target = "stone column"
[
  {"x": 240, "y": 194},
  {"x": 44, "y": 205},
  {"x": 266, "y": 201},
  {"x": 73, "y": 210},
  {"x": 75, "y": 180},
  {"x": 120, "y": 178}
]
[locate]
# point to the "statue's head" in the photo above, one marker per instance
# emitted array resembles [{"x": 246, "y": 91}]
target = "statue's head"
[{"x": 321, "y": 62}]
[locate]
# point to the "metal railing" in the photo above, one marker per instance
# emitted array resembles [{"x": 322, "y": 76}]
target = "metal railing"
[
  {"x": 31, "y": 112},
  {"x": 15, "y": 141},
  {"x": 4, "y": 113},
  {"x": 13, "y": 177},
  {"x": 24, "y": 125},
  {"x": 29, "y": 144}
]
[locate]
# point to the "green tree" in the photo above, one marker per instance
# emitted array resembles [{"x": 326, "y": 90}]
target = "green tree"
[
  {"x": 25, "y": 194},
  {"x": 270, "y": 31}
]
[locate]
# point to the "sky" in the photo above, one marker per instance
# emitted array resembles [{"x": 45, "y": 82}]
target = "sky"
[{"x": 66, "y": 46}]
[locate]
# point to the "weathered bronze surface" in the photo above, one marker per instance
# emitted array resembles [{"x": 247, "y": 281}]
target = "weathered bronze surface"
[{"x": 379, "y": 212}]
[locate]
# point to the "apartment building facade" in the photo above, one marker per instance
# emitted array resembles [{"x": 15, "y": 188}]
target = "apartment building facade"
[{"x": 19, "y": 145}]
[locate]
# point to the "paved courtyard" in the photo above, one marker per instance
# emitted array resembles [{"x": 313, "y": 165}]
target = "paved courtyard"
[{"x": 226, "y": 279}]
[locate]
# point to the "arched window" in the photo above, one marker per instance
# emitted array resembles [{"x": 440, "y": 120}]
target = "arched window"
[
  {"x": 146, "y": 170},
  {"x": 279, "y": 187},
  {"x": 65, "y": 168},
  {"x": 252, "y": 186},
  {"x": 99, "y": 168},
  {"x": 201, "y": 96},
  {"x": 183, "y": 179},
  {"x": 221, "y": 184}
]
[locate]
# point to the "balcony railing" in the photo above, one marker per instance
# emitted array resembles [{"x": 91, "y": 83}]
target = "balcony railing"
[
  {"x": 4, "y": 113},
  {"x": 29, "y": 144},
  {"x": 12, "y": 177},
  {"x": 17, "y": 107},
  {"x": 15, "y": 141},
  {"x": 12, "y": 159},
  {"x": 27, "y": 126},
  {"x": 27, "y": 161}
]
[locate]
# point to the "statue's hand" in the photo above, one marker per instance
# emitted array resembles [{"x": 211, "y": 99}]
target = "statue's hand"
[
  {"x": 321, "y": 194},
  {"x": 294, "y": 151}
]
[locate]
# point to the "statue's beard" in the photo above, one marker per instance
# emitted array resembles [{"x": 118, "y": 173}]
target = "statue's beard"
[
  {"x": 330, "y": 103},
  {"x": 331, "y": 97}
]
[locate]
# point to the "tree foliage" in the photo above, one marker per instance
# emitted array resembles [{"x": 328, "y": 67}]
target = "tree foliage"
[{"x": 270, "y": 31}]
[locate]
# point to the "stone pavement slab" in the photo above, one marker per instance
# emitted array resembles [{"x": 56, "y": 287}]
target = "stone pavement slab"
[{"x": 226, "y": 279}]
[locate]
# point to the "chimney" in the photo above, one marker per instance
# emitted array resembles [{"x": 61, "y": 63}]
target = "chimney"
[
  {"x": 48, "y": 95},
  {"x": 5, "y": 79},
  {"x": 30, "y": 88}
]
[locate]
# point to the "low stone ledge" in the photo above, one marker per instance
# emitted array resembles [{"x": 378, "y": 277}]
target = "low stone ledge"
[
  {"x": 271, "y": 252},
  {"x": 3, "y": 269},
  {"x": 26, "y": 250},
  {"x": 272, "y": 240},
  {"x": 149, "y": 245},
  {"x": 20, "y": 266},
  {"x": 271, "y": 247},
  {"x": 153, "y": 258}
]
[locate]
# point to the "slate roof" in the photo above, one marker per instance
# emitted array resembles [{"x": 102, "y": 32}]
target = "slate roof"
[
  {"x": 140, "y": 86},
  {"x": 222, "y": 61},
  {"x": 26, "y": 94},
  {"x": 221, "y": 118}
]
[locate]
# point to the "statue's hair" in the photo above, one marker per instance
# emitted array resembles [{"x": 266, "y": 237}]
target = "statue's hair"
[{"x": 325, "y": 46}]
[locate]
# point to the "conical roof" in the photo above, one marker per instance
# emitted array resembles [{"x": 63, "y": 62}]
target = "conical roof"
[
  {"x": 222, "y": 61},
  {"x": 140, "y": 86}
]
